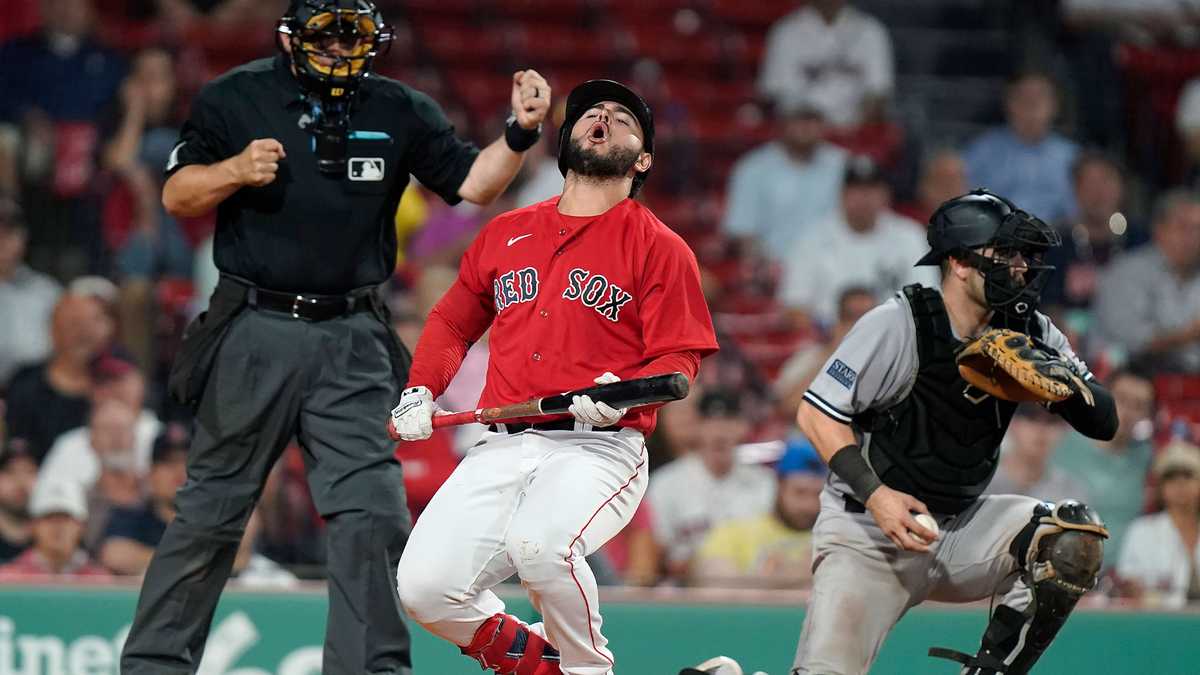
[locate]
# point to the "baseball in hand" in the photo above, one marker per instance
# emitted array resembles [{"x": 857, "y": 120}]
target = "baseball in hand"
[{"x": 925, "y": 520}]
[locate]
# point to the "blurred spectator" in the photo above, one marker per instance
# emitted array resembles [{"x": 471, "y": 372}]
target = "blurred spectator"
[
  {"x": 633, "y": 554},
  {"x": 427, "y": 464},
  {"x": 540, "y": 177},
  {"x": 1141, "y": 21},
  {"x": 864, "y": 244},
  {"x": 778, "y": 188},
  {"x": 943, "y": 177},
  {"x": 834, "y": 53},
  {"x": 59, "y": 513},
  {"x": 1094, "y": 237},
  {"x": 1114, "y": 473},
  {"x": 799, "y": 370},
  {"x": 18, "y": 474},
  {"x": 1026, "y": 161},
  {"x": 73, "y": 457},
  {"x": 26, "y": 297},
  {"x": 773, "y": 549},
  {"x": 707, "y": 487},
  {"x": 1148, "y": 302},
  {"x": 50, "y": 398},
  {"x": 1160, "y": 560},
  {"x": 141, "y": 131},
  {"x": 1187, "y": 123},
  {"x": 132, "y": 533},
  {"x": 1025, "y": 467},
  {"x": 64, "y": 73}
]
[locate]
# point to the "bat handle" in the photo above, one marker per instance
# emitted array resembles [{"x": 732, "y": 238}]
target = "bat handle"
[{"x": 455, "y": 419}]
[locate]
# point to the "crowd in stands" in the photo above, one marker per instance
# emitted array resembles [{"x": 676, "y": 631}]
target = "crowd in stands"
[{"x": 804, "y": 196}]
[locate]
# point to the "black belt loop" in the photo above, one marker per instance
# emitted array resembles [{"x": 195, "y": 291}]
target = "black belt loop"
[
  {"x": 852, "y": 505},
  {"x": 252, "y": 297}
]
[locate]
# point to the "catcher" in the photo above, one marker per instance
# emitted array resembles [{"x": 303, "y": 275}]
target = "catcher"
[{"x": 909, "y": 413}]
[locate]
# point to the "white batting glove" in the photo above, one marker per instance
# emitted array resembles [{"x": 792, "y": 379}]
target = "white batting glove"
[
  {"x": 597, "y": 413},
  {"x": 412, "y": 419}
]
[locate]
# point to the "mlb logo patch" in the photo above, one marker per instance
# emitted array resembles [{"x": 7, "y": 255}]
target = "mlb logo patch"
[
  {"x": 366, "y": 168},
  {"x": 842, "y": 373}
]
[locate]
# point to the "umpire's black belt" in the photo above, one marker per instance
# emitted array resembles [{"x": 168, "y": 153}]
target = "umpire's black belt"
[
  {"x": 556, "y": 425},
  {"x": 308, "y": 306}
]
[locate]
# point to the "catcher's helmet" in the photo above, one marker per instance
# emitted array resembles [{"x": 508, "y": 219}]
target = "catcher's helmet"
[
  {"x": 312, "y": 26},
  {"x": 588, "y": 94},
  {"x": 979, "y": 220}
]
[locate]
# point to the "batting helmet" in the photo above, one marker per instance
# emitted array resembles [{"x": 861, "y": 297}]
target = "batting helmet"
[
  {"x": 588, "y": 94},
  {"x": 979, "y": 220}
]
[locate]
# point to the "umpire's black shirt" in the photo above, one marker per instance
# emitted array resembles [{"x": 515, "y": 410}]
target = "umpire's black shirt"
[{"x": 308, "y": 232}]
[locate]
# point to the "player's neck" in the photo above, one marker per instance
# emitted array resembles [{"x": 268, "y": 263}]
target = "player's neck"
[
  {"x": 585, "y": 196},
  {"x": 967, "y": 317}
]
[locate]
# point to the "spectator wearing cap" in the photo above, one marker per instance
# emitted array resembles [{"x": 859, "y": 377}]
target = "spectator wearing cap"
[
  {"x": 74, "y": 456},
  {"x": 1159, "y": 562},
  {"x": 707, "y": 486},
  {"x": 1025, "y": 467},
  {"x": 777, "y": 188},
  {"x": 132, "y": 533},
  {"x": 59, "y": 514},
  {"x": 53, "y": 396},
  {"x": 1148, "y": 301},
  {"x": 1026, "y": 160},
  {"x": 834, "y": 53},
  {"x": 774, "y": 548},
  {"x": 17, "y": 476},
  {"x": 864, "y": 244},
  {"x": 27, "y": 298},
  {"x": 1091, "y": 240}
]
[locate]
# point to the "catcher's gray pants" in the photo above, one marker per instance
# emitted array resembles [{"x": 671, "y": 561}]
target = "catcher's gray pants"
[
  {"x": 863, "y": 584},
  {"x": 330, "y": 384}
]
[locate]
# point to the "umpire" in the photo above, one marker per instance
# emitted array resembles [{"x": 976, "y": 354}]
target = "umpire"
[{"x": 305, "y": 157}]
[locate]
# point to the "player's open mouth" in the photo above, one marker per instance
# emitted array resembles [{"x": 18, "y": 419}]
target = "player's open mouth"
[{"x": 598, "y": 133}]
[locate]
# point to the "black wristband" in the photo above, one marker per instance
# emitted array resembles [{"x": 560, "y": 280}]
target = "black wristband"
[
  {"x": 850, "y": 465},
  {"x": 518, "y": 138}
]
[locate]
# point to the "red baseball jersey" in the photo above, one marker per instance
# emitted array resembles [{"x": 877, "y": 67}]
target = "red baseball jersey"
[{"x": 568, "y": 298}]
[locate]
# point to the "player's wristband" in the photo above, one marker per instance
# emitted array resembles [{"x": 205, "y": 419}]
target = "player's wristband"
[
  {"x": 518, "y": 138},
  {"x": 850, "y": 465}
]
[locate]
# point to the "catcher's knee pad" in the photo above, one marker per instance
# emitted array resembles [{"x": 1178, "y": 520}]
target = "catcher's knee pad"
[
  {"x": 1059, "y": 552},
  {"x": 507, "y": 646}
]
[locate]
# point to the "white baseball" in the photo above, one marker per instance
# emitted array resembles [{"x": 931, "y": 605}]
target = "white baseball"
[{"x": 926, "y": 521}]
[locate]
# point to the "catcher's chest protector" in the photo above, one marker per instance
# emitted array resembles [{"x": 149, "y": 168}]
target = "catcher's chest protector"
[{"x": 941, "y": 443}]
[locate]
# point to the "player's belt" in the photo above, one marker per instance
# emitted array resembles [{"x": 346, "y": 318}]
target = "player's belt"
[
  {"x": 853, "y": 505},
  {"x": 308, "y": 306},
  {"x": 556, "y": 425}
]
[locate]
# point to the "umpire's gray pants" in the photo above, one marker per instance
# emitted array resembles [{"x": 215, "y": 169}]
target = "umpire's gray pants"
[
  {"x": 330, "y": 384},
  {"x": 863, "y": 583}
]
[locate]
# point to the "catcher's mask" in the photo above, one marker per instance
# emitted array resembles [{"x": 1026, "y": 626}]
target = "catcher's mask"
[
  {"x": 588, "y": 94},
  {"x": 980, "y": 222},
  {"x": 334, "y": 43}
]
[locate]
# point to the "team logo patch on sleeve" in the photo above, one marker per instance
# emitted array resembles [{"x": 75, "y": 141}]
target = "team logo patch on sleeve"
[{"x": 842, "y": 373}]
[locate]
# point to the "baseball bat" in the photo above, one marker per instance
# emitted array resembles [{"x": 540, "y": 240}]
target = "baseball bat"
[{"x": 621, "y": 394}]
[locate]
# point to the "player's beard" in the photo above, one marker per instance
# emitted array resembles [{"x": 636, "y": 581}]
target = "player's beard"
[{"x": 587, "y": 162}]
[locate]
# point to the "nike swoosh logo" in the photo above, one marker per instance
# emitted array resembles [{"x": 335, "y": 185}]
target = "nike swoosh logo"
[{"x": 516, "y": 239}]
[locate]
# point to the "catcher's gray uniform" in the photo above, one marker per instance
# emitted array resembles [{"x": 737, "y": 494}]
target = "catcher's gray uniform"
[{"x": 862, "y": 582}]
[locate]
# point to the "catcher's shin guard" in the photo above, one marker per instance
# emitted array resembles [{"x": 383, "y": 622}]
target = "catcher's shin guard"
[
  {"x": 507, "y": 646},
  {"x": 1060, "y": 552}
]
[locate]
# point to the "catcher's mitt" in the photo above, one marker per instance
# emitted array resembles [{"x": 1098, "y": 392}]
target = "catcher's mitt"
[{"x": 1009, "y": 366}]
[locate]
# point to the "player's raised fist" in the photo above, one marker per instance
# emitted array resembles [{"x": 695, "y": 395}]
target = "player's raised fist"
[
  {"x": 530, "y": 98},
  {"x": 257, "y": 165}
]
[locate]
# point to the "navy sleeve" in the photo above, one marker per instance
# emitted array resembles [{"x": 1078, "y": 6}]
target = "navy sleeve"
[{"x": 438, "y": 158}]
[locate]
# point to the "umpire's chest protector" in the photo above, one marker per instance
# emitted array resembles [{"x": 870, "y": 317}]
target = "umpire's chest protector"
[{"x": 941, "y": 443}]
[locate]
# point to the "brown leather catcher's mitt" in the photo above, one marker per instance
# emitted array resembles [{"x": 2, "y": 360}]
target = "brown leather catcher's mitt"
[{"x": 1009, "y": 366}]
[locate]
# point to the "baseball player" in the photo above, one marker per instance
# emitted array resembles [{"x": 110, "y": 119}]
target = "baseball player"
[
  {"x": 584, "y": 287},
  {"x": 905, "y": 435}
]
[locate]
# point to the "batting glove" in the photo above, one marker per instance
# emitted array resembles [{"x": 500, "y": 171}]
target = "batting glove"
[
  {"x": 412, "y": 419},
  {"x": 597, "y": 413}
]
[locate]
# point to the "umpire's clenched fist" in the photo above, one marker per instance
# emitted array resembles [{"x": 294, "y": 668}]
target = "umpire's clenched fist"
[
  {"x": 257, "y": 165},
  {"x": 530, "y": 98}
]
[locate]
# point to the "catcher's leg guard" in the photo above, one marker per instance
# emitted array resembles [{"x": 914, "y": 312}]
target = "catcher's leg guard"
[
  {"x": 507, "y": 646},
  {"x": 1060, "y": 552}
]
